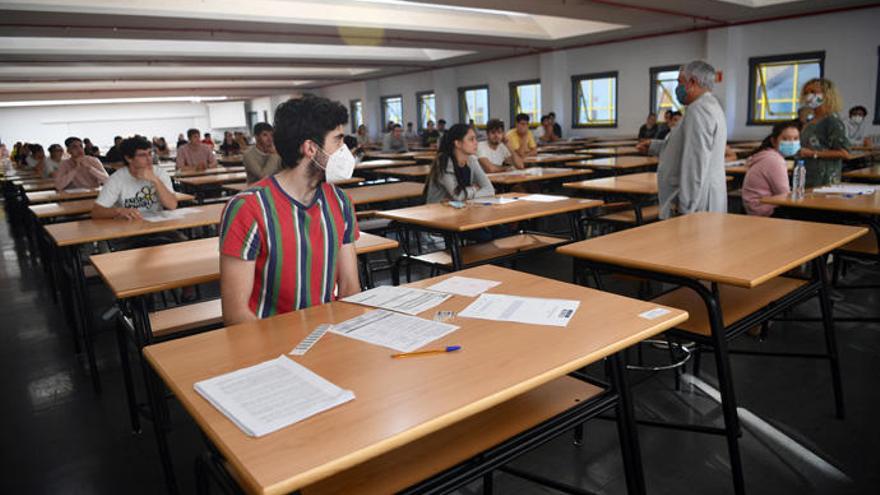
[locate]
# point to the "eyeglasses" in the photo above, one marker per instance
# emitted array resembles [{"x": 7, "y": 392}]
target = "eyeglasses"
[{"x": 144, "y": 154}]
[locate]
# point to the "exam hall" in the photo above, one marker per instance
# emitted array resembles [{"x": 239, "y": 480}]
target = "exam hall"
[{"x": 440, "y": 247}]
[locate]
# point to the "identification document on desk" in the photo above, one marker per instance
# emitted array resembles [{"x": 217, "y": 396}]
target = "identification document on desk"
[
  {"x": 532, "y": 310},
  {"x": 402, "y": 299},
  {"x": 271, "y": 395},
  {"x": 402, "y": 333}
]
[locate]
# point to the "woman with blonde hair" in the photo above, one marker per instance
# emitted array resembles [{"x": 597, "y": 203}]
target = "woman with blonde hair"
[{"x": 824, "y": 144}]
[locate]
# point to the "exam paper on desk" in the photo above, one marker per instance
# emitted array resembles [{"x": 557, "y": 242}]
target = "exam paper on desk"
[
  {"x": 402, "y": 333},
  {"x": 532, "y": 310},
  {"x": 407, "y": 300}
]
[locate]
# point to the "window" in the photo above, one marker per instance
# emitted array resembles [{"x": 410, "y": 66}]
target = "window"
[
  {"x": 663, "y": 83},
  {"x": 473, "y": 103},
  {"x": 594, "y": 98},
  {"x": 525, "y": 97},
  {"x": 775, "y": 85},
  {"x": 392, "y": 110},
  {"x": 877, "y": 96},
  {"x": 356, "y": 111},
  {"x": 426, "y": 108}
]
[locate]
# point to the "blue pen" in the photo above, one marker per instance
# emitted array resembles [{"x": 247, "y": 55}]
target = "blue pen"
[{"x": 451, "y": 348}]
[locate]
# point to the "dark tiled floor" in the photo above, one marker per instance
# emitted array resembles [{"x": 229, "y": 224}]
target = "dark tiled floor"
[{"x": 59, "y": 437}]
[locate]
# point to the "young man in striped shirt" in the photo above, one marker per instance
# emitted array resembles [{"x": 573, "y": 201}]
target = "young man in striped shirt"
[{"x": 287, "y": 242}]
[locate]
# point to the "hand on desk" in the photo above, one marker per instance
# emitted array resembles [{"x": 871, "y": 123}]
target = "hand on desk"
[{"x": 128, "y": 214}]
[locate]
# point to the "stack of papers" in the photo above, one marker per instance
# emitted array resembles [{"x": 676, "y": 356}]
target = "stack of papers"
[
  {"x": 543, "y": 198},
  {"x": 846, "y": 189},
  {"x": 271, "y": 395},
  {"x": 393, "y": 330},
  {"x": 532, "y": 310},
  {"x": 402, "y": 299}
]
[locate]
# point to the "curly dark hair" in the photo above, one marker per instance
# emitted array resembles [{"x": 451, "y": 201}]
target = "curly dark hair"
[{"x": 308, "y": 118}]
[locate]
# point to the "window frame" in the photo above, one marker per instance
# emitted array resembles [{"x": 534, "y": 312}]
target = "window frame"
[
  {"x": 755, "y": 61},
  {"x": 877, "y": 96},
  {"x": 653, "y": 71},
  {"x": 512, "y": 87},
  {"x": 351, "y": 104},
  {"x": 575, "y": 88},
  {"x": 419, "y": 95},
  {"x": 382, "y": 100},
  {"x": 462, "y": 107}
]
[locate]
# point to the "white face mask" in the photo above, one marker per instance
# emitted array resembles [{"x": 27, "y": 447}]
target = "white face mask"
[
  {"x": 857, "y": 118},
  {"x": 814, "y": 100},
  {"x": 340, "y": 165}
]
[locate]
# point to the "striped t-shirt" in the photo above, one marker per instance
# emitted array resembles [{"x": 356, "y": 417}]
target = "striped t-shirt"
[{"x": 295, "y": 247}]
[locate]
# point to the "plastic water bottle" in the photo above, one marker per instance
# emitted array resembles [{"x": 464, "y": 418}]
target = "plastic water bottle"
[{"x": 798, "y": 180}]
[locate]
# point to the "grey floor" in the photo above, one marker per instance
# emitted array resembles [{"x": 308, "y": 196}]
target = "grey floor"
[{"x": 58, "y": 436}]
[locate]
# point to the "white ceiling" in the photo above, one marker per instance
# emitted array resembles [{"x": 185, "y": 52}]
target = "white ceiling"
[{"x": 56, "y": 49}]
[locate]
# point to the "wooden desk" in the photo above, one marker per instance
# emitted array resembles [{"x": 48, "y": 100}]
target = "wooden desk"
[
  {"x": 742, "y": 169},
  {"x": 451, "y": 222},
  {"x": 55, "y": 196},
  {"x": 504, "y": 180},
  {"x": 409, "y": 155},
  {"x": 418, "y": 172},
  {"x": 864, "y": 204},
  {"x": 620, "y": 143},
  {"x": 397, "y": 402},
  {"x": 39, "y": 185},
  {"x": 644, "y": 183},
  {"x": 213, "y": 179},
  {"x": 605, "y": 151},
  {"x": 558, "y": 147},
  {"x": 615, "y": 163},
  {"x": 864, "y": 174},
  {"x": 746, "y": 252},
  {"x": 68, "y": 236},
  {"x": 230, "y": 160},
  {"x": 374, "y": 164},
  {"x": 78, "y": 207},
  {"x": 424, "y": 156},
  {"x": 548, "y": 158},
  {"x": 380, "y": 193},
  {"x": 241, "y": 186},
  {"x": 208, "y": 171}
]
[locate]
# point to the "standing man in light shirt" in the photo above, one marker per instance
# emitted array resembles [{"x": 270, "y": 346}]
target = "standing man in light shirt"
[
  {"x": 690, "y": 175},
  {"x": 80, "y": 170},
  {"x": 261, "y": 160},
  {"x": 493, "y": 153},
  {"x": 195, "y": 155},
  {"x": 520, "y": 139}
]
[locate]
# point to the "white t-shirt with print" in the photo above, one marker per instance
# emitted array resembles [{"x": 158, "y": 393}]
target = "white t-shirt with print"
[
  {"x": 496, "y": 156},
  {"x": 122, "y": 190}
]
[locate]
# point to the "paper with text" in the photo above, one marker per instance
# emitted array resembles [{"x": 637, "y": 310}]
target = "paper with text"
[
  {"x": 271, "y": 395},
  {"x": 847, "y": 189},
  {"x": 533, "y": 310},
  {"x": 402, "y": 333},
  {"x": 543, "y": 198},
  {"x": 402, "y": 299},
  {"x": 464, "y": 286}
]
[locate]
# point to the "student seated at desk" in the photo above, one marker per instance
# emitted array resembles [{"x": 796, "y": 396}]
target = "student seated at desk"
[
  {"x": 767, "y": 172},
  {"x": 456, "y": 173},
  {"x": 393, "y": 142},
  {"x": 649, "y": 129},
  {"x": 520, "y": 139},
  {"x": 261, "y": 160},
  {"x": 548, "y": 134},
  {"x": 493, "y": 154},
  {"x": 139, "y": 187},
  {"x": 160, "y": 147},
  {"x": 363, "y": 137},
  {"x": 79, "y": 170},
  {"x": 229, "y": 146},
  {"x": 430, "y": 135},
  {"x": 195, "y": 155},
  {"x": 288, "y": 242},
  {"x": 52, "y": 163},
  {"x": 113, "y": 155}
]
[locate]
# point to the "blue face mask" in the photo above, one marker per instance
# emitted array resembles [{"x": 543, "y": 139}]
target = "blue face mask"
[
  {"x": 789, "y": 148},
  {"x": 681, "y": 94}
]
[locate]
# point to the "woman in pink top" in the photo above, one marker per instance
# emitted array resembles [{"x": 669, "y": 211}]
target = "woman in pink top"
[{"x": 767, "y": 172}]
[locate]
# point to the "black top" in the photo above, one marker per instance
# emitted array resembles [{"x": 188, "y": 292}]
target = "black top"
[{"x": 646, "y": 133}]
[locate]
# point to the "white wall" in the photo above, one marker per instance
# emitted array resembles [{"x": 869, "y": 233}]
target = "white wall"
[
  {"x": 100, "y": 123},
  {"x": 849, "y": 39}
]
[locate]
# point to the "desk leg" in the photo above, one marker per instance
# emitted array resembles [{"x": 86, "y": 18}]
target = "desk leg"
[
  {"x": 84, "y": 320},
  {"x": 66, "y": 296},
  {"x": 155, "y": 393},
  {"x": 820, "y": 267},
  {"x": 627, "y": 428},
  {"x": 454, "y": 241},
  {"x": 725, "y": 384}
]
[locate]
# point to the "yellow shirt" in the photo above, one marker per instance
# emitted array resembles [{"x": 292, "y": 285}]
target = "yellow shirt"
[{"x": 513, "y": 140}]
